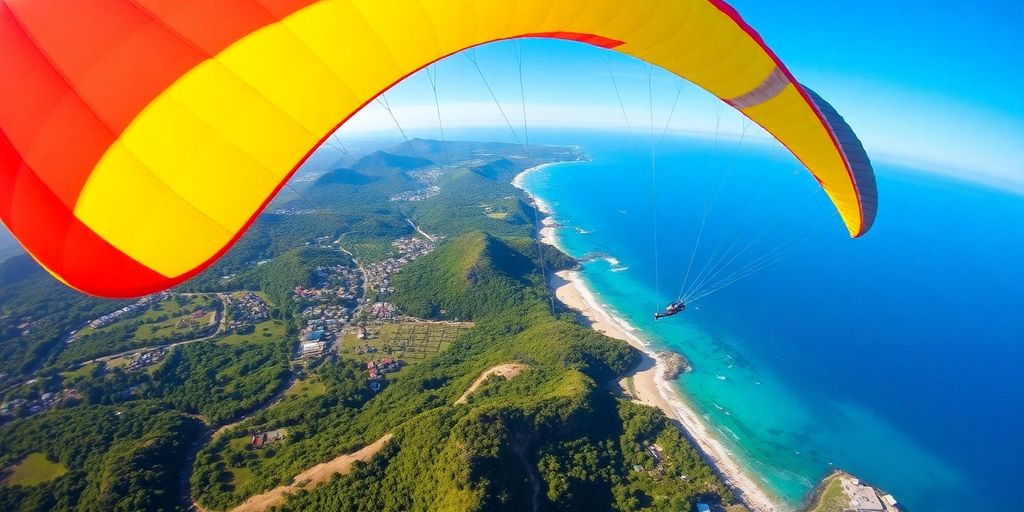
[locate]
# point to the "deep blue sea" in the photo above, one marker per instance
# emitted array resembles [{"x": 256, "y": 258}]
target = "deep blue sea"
[{"x": 897, "y": 356}]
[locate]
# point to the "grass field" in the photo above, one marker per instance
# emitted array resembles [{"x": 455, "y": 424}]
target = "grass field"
[
  {"x": 262, "y": 295},
  {"x": 270, "y": 331},
  {"x": 84, "y": 371},
  {"x": 833, "y": 498},
  {"x": 34, "y": 469},
  {"x": 173, "y": 311},
  {"x": 411, "y": 342},
  {"x": 240, "y": 476},
  {"x": 369, "y": 250},
  {"x": 179, "y": 321},
  {"x": 117, "y": 362},
  {"x": 306, "y": 388}
]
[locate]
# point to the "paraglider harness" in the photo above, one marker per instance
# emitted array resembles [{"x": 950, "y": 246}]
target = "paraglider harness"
[{"x": 672, "y": 309}]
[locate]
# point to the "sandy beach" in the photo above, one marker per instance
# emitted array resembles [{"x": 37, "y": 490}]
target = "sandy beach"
[
  {"x": 548, "y": 231},
  {"x": 650, "y": 387}
]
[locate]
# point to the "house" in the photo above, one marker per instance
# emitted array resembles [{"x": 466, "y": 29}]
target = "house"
[{"x": 655, "y": 453}]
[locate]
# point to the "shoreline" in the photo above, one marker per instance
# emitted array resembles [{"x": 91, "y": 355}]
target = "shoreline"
[
  {"x": 650, "y": 387},
  {"x": 549, "y": 231}
]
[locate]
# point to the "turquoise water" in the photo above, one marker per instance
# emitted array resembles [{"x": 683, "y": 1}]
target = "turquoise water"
[{"x": 896, "y": 356}]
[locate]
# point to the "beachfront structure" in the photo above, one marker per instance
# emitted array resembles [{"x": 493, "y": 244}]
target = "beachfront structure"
[{"x": 862, "y": 497}]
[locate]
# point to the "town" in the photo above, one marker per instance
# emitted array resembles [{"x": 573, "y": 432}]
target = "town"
[{"x": 339, "y": 305}]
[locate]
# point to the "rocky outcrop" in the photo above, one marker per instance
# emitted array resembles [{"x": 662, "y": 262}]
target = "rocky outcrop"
[{"x": 675, "y": 364}]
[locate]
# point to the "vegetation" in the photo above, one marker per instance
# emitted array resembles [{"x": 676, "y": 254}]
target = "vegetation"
[
  {"x": 9, "y": 246},
  {"x": 412, "y": 342},
  {"x": 36, "y": 313},
  {"x": 34, "y": 469},
  {"x": 278, "y": 277},
  {"x": 492, "y": 452},
  {"x": 552, "y": 437},
  {"x": 163, "y": 323},
  {"x": 473, "y": 275},
  {"x": 306, "y": 388},
  {"x": 457, "y": 208},
  {"x": 271, "y": 331},
  {"x": 124, "y": 458},
  {"x": 220, "y": 382},
  {"x": 829, "y": 495}
]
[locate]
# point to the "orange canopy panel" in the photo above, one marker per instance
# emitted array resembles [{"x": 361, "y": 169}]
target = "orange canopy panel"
[{"x": 140, "y": 138}]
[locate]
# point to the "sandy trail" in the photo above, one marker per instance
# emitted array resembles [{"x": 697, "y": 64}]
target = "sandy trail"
[
  {"x": 312, "y": 477},
  {"x": 507, "y": 370}
]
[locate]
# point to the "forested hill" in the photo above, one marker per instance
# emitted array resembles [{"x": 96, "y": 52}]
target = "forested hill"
[
  {"x": 550, "y": 438},
  {"x": 381, "y": 161},
  {"x": 472, "y": 276}
]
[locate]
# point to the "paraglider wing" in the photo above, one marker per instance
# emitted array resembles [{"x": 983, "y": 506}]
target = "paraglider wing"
[{"x": 140, "y": 138}]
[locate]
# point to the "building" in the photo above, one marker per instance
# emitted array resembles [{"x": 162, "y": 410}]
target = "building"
[
  {"x": 862, "y": 497},
  {"x": 312, "y": 348}
]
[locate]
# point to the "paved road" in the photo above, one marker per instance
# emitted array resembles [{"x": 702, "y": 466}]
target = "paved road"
[
  {"x": 185, "y": 477},
  {"x": 219, "y": 318}
]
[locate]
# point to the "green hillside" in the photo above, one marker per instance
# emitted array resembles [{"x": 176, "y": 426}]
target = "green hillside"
[
  {"x": 473, "y": 275},
  {"x": 551, "y": 437},
  {"x": 515, "y": 412},
  {"x": 466, "y": 196}
]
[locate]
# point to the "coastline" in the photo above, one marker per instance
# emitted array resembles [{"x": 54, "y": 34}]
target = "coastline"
[
  {"x": 549, "y": 232},
  {"x": 649, "y": 384}
]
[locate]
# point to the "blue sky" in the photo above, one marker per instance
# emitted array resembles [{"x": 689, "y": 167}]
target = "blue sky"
[{"x": 938, "y": 84}]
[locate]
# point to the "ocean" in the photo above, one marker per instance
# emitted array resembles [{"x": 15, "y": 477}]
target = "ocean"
[{"x": 896, "y": 356}]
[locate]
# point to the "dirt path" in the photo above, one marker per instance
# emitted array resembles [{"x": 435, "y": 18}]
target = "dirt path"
[
  {"x": 311, "y": 477},
  {"x": 507, "y": 370},
  {"x": 420, "y": 231}
]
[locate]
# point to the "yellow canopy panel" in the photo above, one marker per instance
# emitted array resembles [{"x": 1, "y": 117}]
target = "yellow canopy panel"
[{"x": 140, "y": 138}]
